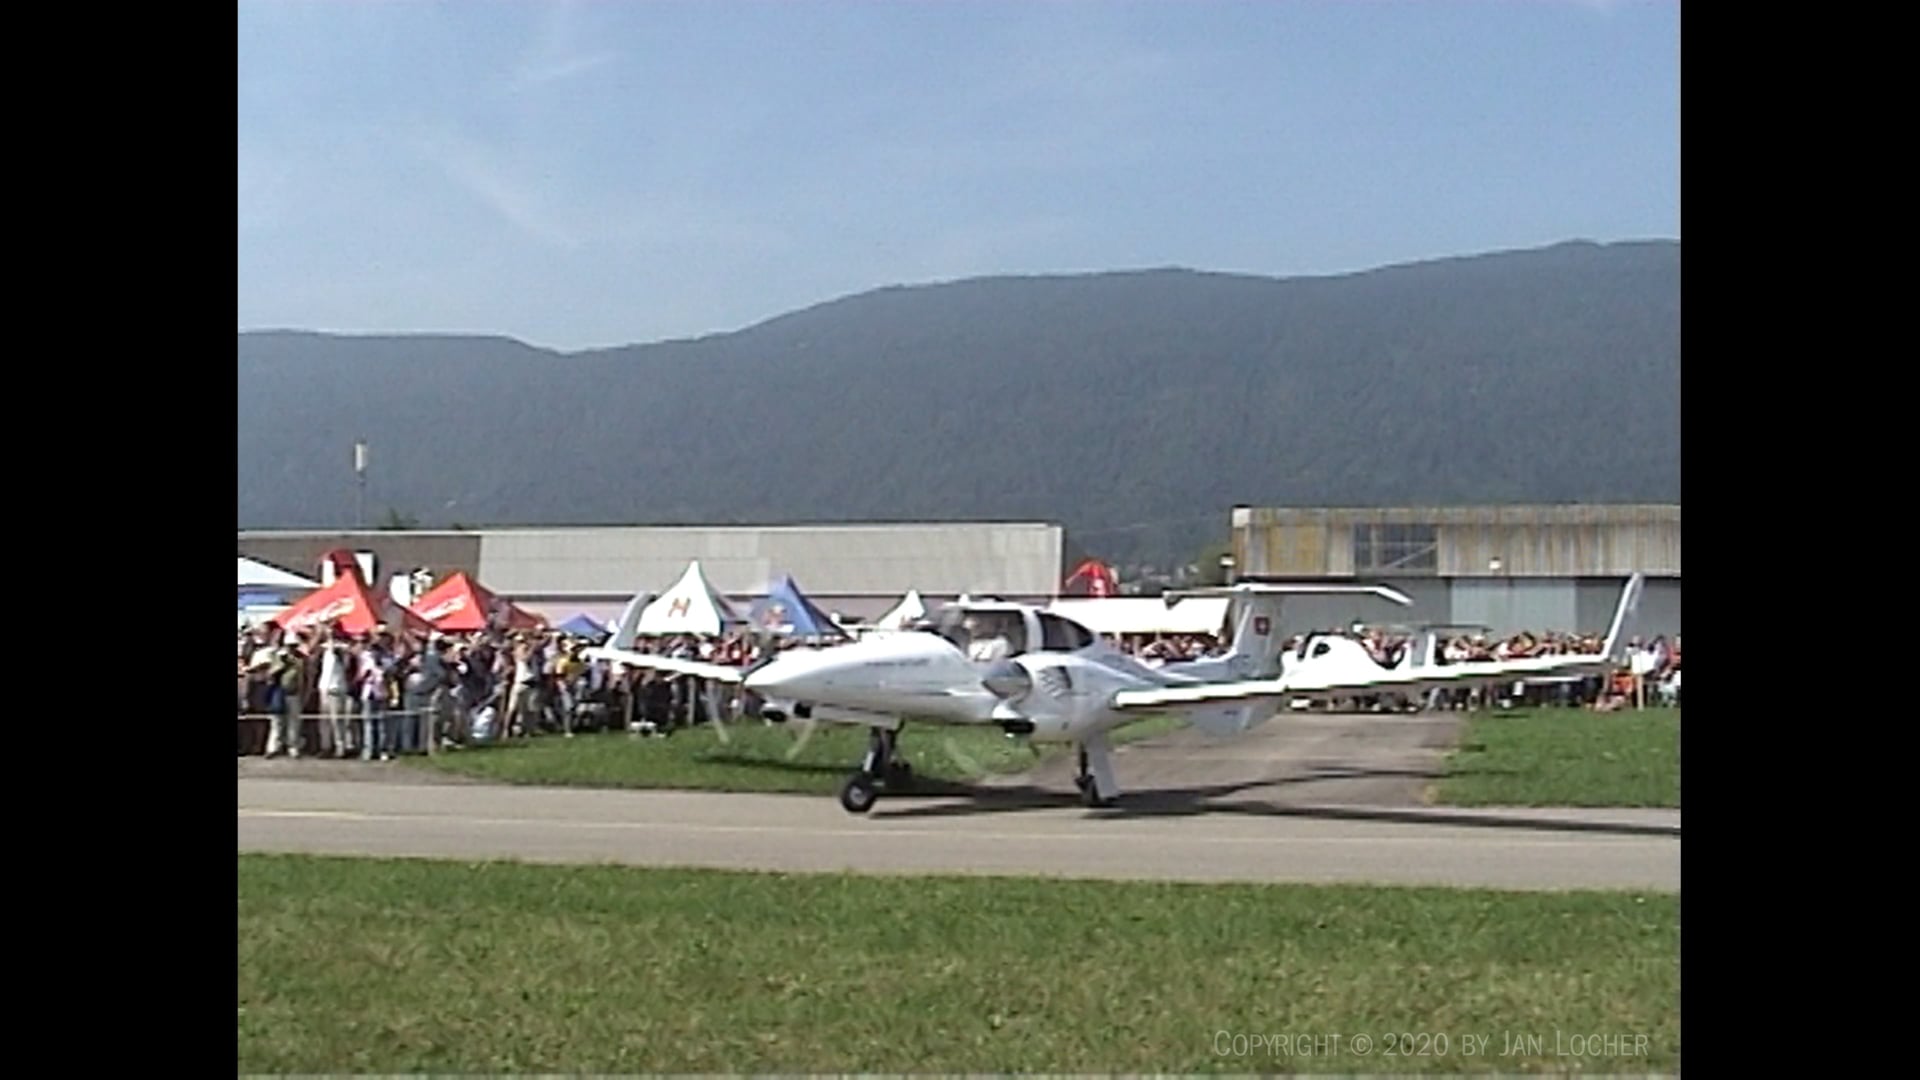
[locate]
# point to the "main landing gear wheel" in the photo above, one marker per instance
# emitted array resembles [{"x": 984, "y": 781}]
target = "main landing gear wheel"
[
  {"x": 1089, "y": 791},
  {"x": 857, "y": 794},
  {"x": 899, "y": 773}
]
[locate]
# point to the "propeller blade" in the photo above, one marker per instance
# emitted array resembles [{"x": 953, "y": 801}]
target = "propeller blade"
[{"x": 803, "y": 729}]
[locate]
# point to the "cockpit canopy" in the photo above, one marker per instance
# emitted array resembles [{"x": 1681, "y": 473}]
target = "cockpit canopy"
[{"x": 973, "y": 629}]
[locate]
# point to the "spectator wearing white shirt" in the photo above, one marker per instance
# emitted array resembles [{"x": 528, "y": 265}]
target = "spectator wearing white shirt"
[
  {"x": 336, "y": 697},
  {"x": 522, "y": 698}
]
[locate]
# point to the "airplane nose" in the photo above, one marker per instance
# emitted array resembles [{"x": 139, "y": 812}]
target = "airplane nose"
[
  {"x": 792, "y": 675},
  {"x": 763, "y": 680}
]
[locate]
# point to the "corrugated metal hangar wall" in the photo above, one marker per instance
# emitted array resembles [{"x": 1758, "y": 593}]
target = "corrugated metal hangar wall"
[
  {"x": 858, "y": 570},
  {"x": 1510, "y": 568}
]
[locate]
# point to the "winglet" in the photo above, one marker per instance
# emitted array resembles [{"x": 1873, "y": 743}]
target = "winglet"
[
  {"x": 628, "y": 627},
  {"x": 1624, "y": 615}
]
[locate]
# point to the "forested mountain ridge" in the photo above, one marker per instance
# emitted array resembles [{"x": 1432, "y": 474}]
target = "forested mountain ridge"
[{"x": 1133, "y": 407}]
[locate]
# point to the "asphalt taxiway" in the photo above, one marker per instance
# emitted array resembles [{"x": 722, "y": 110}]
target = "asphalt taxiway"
[
  {"x": 1386, "y": 845},
  {"x": 1307, "y": 798}
]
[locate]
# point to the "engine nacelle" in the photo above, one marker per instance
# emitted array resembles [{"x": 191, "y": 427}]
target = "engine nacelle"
[
  {"x": 779, "y": 712},
  {"x": 1051, "y": 698},
  {"x": 1009, "y": 680}
]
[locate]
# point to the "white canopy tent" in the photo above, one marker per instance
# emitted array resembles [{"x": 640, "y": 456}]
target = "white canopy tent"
[
  {"x": 1146, "y": 615},
  {"x": 907, "y": 610},
  {"x": 266, "y": 591},
  {"x": 258, "y": 575},
  {"x": 692, "y": 606}
]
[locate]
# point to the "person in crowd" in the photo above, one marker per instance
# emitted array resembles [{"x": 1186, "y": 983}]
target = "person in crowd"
[
  {"x": 283, "y": 703},
  {"x": 336, "y": 695},
  {"x": 476, "y": 686},
  {"x": 524, "y": 693},
  {"x": 657, "y": 695},
  {"x": 376, "y": 665},
  {"x": 444, "y": 677},
  {"x": 416, "y": 694},
  {"x": 564, "y": 668},
  {"x": 598, "y": 687}
]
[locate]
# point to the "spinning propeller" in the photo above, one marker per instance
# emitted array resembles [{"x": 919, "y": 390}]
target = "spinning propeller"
[{"x": 1009, "y": 680}]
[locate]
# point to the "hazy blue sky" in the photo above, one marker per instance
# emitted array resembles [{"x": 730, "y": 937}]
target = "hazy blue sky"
[{"x": 584, "y": 174}]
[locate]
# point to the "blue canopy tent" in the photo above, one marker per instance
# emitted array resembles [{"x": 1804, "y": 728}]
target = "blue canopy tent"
[
  {"x": 785, "y": 610},
  {"x": 582, "y": 626}
]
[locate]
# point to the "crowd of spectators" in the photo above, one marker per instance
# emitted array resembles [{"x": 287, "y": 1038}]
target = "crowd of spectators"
[{"x": 387, "y": 693}]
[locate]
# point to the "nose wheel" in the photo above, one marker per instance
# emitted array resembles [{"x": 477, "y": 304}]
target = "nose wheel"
[{"x": 882, "y": 769}]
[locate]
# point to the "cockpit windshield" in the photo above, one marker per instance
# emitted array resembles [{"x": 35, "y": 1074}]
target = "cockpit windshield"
[{"x": 983, "y": 635}]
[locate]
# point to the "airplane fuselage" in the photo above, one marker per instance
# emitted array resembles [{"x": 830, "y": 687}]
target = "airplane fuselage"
[{"x": 1057, "y": 695}]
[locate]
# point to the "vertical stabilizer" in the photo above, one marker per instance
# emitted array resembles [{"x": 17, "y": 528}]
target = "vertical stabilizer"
[{"x": 1253, "y": 635}]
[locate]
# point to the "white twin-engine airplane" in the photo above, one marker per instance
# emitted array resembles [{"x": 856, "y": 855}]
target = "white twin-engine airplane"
[{"x": 1037, "y": 675}]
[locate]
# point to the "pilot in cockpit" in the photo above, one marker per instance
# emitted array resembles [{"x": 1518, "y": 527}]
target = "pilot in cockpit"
[{"x": 985, "y": 642}]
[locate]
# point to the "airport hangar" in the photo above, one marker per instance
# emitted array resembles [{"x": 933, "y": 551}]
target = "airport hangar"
[
  {"x": 858, "y": 571},
  {"x": 1508, "y": 568}
]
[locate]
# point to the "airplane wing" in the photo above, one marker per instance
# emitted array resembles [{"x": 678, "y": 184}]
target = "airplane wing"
[
  {"x": 1313, "y": 685},
  {"x": 696, "y": 668}
]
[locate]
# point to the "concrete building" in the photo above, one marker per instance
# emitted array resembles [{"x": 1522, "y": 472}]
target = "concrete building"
[
  {"x": 1510, "y": 568},
  {"x": 859, "y": 571}
]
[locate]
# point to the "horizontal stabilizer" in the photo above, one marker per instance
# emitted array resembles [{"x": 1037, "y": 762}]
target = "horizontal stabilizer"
[
  {"x": 1257, "y": 588},
  {"x": 1311, "y": 684}
]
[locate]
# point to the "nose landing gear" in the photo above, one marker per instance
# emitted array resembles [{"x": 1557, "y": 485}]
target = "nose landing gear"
[{"x": 883, "y": 769}]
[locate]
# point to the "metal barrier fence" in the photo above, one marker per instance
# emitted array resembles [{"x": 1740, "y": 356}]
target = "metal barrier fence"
[{"x": 453, "y": 721}]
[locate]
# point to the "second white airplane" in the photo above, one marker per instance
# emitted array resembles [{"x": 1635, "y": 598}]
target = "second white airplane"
[{"x": 1037, "y": 675}]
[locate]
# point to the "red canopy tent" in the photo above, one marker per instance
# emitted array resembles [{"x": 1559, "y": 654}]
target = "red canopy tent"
[
  {"x": 349, "y": 604},
  {"x": 1092, "y": 578},
  {"x": 461, "y": 605}
]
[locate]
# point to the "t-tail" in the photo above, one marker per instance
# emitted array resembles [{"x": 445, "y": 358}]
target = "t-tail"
[{"x": 1254, "y": 628}]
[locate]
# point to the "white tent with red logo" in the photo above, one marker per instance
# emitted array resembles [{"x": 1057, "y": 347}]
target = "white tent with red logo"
[{"x": 692, "y": 606}]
